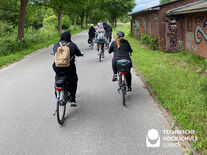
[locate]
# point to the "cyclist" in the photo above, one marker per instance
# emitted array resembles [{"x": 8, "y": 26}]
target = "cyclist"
[
  {"x": 108, "y": 30},
  {"x": 91, "y": 34},
  {"x": 121, "y": 49},
  {"x": 101, "y": 38},
  {"x": 68, "y": 72}
]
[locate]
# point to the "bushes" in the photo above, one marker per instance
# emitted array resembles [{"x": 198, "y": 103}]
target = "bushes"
[
  {"x": 66, "y": 23},
  {"x": 5, "y": 28},
  {"x": 151, "y": 42},
  {"x": 52, "y": 20},
  {"x": 9, "y": 43}
]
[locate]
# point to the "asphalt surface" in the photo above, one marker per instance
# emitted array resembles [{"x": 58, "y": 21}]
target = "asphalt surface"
[{"x": 100, "y": 125}]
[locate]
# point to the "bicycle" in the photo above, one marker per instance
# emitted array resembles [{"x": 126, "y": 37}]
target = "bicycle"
[
  {"x": 91, "y": 44},
  {"x": 123, "y": 66},
  {"x": 107, "y": 43},
  {"x": 61, "y": 97},
  {"x": 100, "y": 54}
]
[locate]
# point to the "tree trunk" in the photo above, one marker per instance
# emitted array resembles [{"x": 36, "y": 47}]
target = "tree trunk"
[
  {"x": 113, "y": 22},
  {"x": 86, "y": 20},
  {"x": 60, "y": 19},
  {"x": 21, "y": 22},
  {"x": 75, "y": 20},
  {"x": 82, "y": 20}
]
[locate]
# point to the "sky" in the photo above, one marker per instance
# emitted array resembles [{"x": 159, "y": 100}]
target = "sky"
[{"x": 144, "y": 4}]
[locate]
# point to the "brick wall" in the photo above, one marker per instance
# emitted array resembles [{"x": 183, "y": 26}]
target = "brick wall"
[
  {"x": 145, "y": 22},
  {"x": 195, "y": 31},
  {"x": 161, "y": 20}
]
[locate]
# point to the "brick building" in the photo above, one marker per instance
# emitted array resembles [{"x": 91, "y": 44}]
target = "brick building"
[
  {"x": 194, "y": 26},
  {"x": 155, "y": 22}
]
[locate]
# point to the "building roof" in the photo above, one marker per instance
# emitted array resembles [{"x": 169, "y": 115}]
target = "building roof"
[
  {"x": 154, "y": 8},
  {"x": 198, "y": 6}
]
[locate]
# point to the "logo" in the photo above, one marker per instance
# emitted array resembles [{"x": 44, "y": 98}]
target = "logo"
[{"x": 153, "y": 138}]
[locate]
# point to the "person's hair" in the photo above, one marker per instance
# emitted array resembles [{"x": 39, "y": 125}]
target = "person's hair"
[
  {"x": 66, "y": 36},
  {"x": 118, "y": 41}
]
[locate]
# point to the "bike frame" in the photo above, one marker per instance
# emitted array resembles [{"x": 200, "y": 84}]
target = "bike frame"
[
  {"x": 122, "y": 78},
  {"x": 122, "y": 85},
  {"x": 99, "y": 51}
]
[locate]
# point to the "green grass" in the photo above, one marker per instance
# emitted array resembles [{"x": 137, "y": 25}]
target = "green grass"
[
  {"x": 179, "y": 81},
  {"x": 6, "y": 60}
]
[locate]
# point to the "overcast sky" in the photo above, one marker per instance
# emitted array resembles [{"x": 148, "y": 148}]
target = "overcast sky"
[{"x": 144, "y": 4}]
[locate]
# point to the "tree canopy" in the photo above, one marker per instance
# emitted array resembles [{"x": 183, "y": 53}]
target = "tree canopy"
[
  {"x": 165, "y": 1},
  {"x": 32, "y": 13}
]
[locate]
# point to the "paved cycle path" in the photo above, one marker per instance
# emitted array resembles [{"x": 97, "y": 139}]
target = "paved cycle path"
[{"x": 100, "y": 125}]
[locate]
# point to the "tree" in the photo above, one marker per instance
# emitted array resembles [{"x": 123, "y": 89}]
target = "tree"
[
  {"x": 35, "y": 16},
  {"x": 58, "y": 6},
  {"x": 118, "y": 8},
  {"x": 21, "y": 21},
  {"x": 77, "y": 7},
  {"x": 9, "y": 11},
  {"x": 165, "y": 1}
]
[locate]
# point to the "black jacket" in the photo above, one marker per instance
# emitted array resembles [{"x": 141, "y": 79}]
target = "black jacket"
[
  {"x": 91, "y": 32},
  {"x": 108, "y": 29},
  {"x": 123, "y": 51}
]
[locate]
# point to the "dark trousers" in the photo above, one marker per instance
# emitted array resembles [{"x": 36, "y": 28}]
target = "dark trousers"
[
  {"x": 128, "y": 75},
  {"x": 71, "y": 77}
]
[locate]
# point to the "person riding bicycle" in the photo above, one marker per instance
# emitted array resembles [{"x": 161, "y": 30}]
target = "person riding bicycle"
[
  {"x": 121, "y": 49},
  {"x": 68, "y": 72},
  {"x": 108, "y": 30},
  {"x": 91, "y": 34},
  {"x": 101, "y": 38}
]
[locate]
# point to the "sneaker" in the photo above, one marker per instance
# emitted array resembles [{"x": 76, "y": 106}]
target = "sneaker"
[
  {"x": 102, "y": 55},
  {"x": 72, "y": 102},
  {"x": 114, "y": 78},
  {"x": 129, "y": 88}
]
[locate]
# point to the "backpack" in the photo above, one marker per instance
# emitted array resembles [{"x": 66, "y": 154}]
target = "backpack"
[
  {"x": 62, "y": 56},
  {"x": 100, "y": 35}
]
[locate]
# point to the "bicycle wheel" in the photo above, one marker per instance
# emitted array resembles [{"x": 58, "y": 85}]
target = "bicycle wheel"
[
  {"x": 100, "y": 54},
  {"x": 92, "y": 46},
  {"x": 107, "y": 45},
  {"x": 123, "y": 96},
  {"x": 61, "y": 107}
]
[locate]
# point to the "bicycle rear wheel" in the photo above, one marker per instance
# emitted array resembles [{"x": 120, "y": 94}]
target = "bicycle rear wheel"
[
  {"x": 123, "y": 96},
  {"x": 99, "y": 54},
  {"x": 107, "y": 45},
  {"x": 61, "y": 107}
]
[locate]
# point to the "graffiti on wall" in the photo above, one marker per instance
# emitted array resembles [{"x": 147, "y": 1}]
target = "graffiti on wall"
[
  {"x": 199, "y": 19},
  {"x": 200, "y": 29},
  {"x": 172, "y": 31},
  {"x": 137, "y": 23}
]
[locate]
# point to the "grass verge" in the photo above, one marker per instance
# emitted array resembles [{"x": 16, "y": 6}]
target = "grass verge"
[
  {"x": 179, "y": 81},
  {"x": 6, "y": 60}
]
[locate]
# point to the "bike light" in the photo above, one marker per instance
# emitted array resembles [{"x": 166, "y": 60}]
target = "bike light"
[
  {"x": 58, "y": 88},
  {"x": 123, "y": 73}
]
